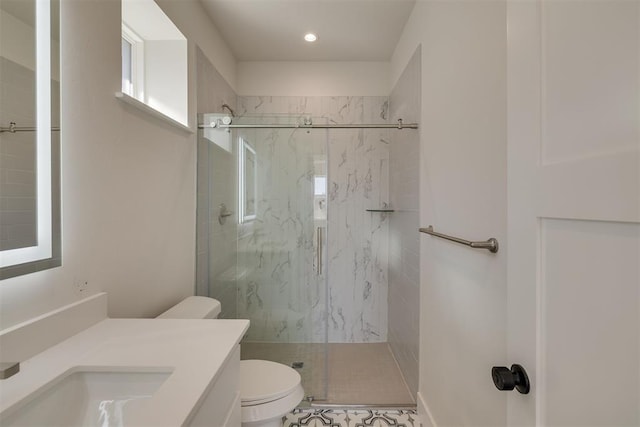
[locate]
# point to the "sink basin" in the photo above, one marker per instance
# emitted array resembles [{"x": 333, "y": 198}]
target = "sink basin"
[{"x": 85, "y": 398}]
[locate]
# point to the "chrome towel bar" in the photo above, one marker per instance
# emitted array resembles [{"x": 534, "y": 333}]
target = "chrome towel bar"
[{"x": 491, "y": 245}]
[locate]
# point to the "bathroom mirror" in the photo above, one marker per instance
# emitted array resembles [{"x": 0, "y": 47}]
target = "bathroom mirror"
[
  {"x": 29, "y": 137},
  {"x": 247, "y": 177}
]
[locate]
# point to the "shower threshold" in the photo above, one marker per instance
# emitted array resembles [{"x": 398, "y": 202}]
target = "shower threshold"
[
  {"x": 310, "y": 402},
  {"x": 320, "y": 404}
]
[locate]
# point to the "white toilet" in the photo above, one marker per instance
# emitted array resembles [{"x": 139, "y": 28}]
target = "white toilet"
[{"x": 268, "y": 390}]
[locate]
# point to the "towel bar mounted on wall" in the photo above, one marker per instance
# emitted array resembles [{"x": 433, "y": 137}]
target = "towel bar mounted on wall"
[{"x": 491, "y": 244}]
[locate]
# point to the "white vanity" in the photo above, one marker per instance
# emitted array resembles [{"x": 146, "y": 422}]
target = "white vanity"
[{"x": 131, "y": 372}]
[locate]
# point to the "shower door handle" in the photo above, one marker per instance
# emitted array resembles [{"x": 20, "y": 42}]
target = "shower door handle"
[{"x": 319, "y": 251}]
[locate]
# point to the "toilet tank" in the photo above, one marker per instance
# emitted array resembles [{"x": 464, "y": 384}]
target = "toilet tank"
[{"x": 193, "y": 308}]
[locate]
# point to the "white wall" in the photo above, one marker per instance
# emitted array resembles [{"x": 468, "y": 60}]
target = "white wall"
[
  {"x": 128, "y": 179},
  {"x": 313, "y": 78},
  {"x": 192, "y": 20},
  {"x": 462, "y": 192}
]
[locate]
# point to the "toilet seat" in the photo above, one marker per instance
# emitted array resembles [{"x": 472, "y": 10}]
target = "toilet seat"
[
  {"x": 268, "y": 390},
  {"x": 263, "y": 381},
  {"x": 271, "y": 413}
]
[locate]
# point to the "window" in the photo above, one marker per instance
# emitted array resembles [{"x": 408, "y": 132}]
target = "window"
[
  {"x": 154, "y": 59},
  {"x": 127, "y": 72},
  {"x": 320, "y": 185},
  {"x": 132, "y": 63}
]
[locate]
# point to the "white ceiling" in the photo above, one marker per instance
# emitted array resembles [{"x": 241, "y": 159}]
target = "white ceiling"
[{"x": 347, "y": 30}]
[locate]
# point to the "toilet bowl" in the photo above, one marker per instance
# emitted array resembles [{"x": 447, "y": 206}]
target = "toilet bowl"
[{"x": 268, "y": 390}]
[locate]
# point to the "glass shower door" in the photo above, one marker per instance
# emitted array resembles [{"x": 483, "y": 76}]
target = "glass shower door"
[{"x": 281, "y": 230}]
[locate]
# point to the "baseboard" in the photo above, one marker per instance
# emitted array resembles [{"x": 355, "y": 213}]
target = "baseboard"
[{"x": 426, "y": 419}]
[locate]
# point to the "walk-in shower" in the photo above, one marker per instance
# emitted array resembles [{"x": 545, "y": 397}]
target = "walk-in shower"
[
  {"x": 265, "y": 262},
  {"x": 264, "y": 204}
]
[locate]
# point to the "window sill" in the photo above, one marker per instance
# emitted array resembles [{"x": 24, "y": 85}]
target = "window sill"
[{"x": 152, "y": 111}]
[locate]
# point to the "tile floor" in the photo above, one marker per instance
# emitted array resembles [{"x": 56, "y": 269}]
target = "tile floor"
[
  {"x": 357, "y": 374},
  {"x": 365, "y": 374},
  {"x": 351, "y": 418}
]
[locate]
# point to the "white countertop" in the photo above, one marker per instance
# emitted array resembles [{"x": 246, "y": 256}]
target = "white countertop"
[{"x": 193, "y": 350}]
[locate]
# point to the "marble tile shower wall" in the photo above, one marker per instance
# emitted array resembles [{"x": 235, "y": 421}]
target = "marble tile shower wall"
[
  {"x": 404, "y": 248},
  {"x": 216, "y": 184},
  {"x": 358, "y": 176},
  {"x": 278, "y": 288}
]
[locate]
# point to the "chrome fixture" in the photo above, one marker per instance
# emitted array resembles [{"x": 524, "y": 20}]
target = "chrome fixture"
[
  {"x": 319, "y": 251},
  {"x": 219, "y": 123},
  {"x": 233, "y": 113},
  {"x": 307, "y": 124},
  {"x": 491, "y": 245},
  {"x": 224, "y": 213}
]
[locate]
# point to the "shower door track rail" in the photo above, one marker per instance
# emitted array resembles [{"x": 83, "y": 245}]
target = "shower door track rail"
[
  {"x": 321, "y": 404},
  {"x": 399, "y": 125}
]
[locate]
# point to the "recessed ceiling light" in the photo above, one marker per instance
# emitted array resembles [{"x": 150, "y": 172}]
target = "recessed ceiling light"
[{"x": 310, "y": 37}]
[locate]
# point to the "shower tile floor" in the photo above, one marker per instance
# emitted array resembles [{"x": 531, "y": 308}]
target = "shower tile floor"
[
  {"x": 351, "y": 418},
  {"x": 358, "y": 374}
]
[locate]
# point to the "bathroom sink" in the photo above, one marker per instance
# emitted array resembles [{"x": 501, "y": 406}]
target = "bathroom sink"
[{"x": 85, "y": 398}]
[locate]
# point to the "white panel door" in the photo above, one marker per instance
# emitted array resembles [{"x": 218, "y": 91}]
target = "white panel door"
[{"x": 574, "y": 211}]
